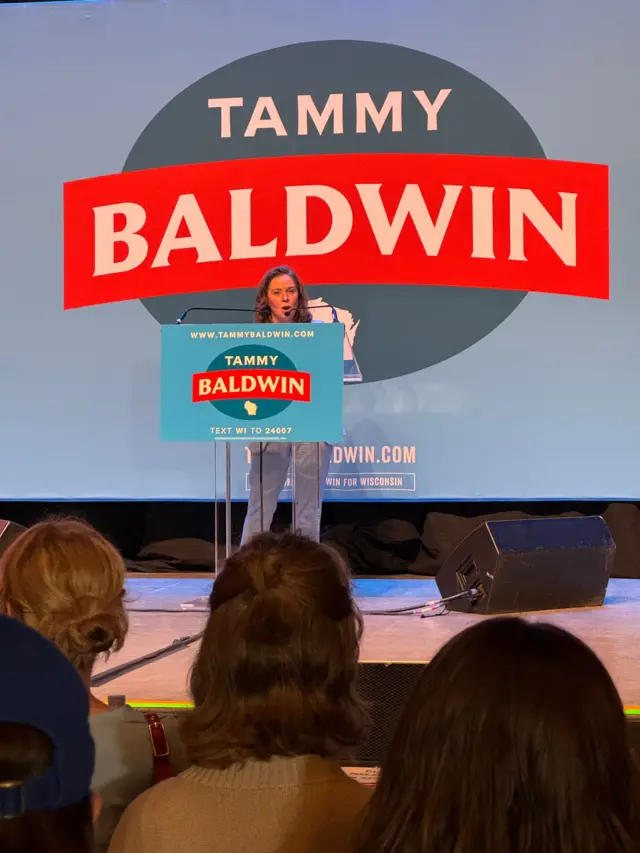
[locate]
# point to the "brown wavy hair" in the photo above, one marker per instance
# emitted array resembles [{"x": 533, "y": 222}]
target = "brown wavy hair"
[
  {"x": 276, "y": 670},
  {"x": 513, "y": 741},
  {"x": 64, "y": 579},
  {"x": 25, "y": 752},
  {"x": 262, "y": 310}
]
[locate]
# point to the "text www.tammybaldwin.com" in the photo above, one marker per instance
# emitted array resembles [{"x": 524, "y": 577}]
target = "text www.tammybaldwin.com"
[{"x": 250, "y": 334}]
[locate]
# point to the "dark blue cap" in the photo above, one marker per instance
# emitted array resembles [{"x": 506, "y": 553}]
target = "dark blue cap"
[{"x": 41, "y": 688}]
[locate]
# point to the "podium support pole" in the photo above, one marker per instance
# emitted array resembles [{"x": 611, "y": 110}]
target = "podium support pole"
[
  {"x": 261, "y": 487},
  {"x": 319, "y": 485},
  {"x": 227, "y": 504},
  {"x": 227, "y": 531},
  {"x": 294, "y": 514},
  {"x": 215, "y": 509}
]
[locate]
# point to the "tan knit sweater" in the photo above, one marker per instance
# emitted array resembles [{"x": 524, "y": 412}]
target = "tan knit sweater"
[{"x": 286, "y": 805}]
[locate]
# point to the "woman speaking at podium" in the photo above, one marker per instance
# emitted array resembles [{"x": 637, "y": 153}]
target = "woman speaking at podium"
[{"x": 281, "y": 299}]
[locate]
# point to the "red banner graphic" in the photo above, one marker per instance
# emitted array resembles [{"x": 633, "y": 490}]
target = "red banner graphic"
[
  {"x": 418, "y": 219},
  {"x": 257, "y": 384}
]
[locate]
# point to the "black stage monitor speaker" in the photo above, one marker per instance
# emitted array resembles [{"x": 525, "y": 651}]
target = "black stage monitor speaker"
[
  {"x": 8, "y": 532},
  {"x": 530, "y": 564}
]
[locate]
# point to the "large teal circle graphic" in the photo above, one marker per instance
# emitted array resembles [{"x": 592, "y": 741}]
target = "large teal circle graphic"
[{"x": 260, "y": 409}]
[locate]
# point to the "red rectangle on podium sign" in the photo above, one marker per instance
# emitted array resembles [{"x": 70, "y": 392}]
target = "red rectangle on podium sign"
[{"x": 257, "y": 384}]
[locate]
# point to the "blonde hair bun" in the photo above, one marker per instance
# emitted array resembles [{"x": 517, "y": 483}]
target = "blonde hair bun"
[{"x": 66, "y": 580}]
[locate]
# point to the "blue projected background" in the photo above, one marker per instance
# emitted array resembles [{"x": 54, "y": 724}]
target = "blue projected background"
[{"x": 542, "y": 404}]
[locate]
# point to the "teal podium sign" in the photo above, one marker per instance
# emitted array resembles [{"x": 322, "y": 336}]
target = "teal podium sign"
[{"x": 252, "y": 383}]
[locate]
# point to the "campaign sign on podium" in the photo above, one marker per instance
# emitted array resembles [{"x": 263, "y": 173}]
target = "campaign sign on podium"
[{"x": 252, "y": 383}]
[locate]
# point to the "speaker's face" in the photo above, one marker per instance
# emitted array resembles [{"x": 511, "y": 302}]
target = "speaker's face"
[{"x": 282, "y": 298}]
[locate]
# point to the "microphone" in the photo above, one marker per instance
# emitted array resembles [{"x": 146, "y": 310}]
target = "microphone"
[
  {"x": 189, "y": 310},
  {"x": 334, "y": 313},
  {"x": 287, "y": 312}
]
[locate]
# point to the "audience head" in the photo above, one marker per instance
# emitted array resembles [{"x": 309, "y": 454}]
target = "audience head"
[
  {"x": 64, "y": 579},
  {"x": 46, "y": 749},
  {"x": 513, "y": 741},
  {"x": 275, "y": 674}
]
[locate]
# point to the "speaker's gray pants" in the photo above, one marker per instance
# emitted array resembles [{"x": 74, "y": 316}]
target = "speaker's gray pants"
[{"x": 276, "y": 460}]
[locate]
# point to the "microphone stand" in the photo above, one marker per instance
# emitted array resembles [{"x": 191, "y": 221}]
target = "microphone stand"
[
  {"x": 179, "y": 320},
  {"x": 224, "y": 310}
]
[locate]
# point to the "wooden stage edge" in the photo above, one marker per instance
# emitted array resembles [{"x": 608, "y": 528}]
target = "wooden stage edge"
[{"x": 164, "y": 608}]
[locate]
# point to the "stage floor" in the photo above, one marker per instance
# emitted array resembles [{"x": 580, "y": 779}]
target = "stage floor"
[{"x": 164, "y": 608}]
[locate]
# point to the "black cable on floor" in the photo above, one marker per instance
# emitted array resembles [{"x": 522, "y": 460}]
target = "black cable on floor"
[{"x": 122, "y": 669}]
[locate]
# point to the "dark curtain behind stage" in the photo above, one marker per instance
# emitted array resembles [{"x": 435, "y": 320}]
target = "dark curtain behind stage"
[{"x": 377, "y": 538}]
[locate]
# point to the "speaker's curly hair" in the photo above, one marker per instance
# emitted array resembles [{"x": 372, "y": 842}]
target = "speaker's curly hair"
[
  {"x": 64, "y": 579},
  {"x": 262, "y": 310}
]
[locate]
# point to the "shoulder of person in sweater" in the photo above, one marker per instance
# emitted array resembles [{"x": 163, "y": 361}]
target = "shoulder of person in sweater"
[
  {"x": 137, "y": 827},
  {"x": 166, "y": 810},
  {"x": 152, "y": 816},
  {"x": 164, "y": 815}
]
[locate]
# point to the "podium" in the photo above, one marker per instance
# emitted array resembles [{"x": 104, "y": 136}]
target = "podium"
[{"x": 257, "y": 384}]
